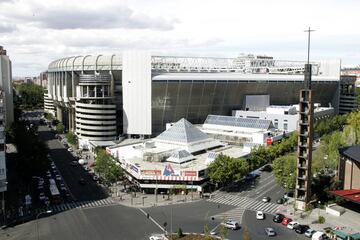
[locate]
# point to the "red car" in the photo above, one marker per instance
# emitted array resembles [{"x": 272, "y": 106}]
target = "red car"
[{"x": 286, "y": 221}]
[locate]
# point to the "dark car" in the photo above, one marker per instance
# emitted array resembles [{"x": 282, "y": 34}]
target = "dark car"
[
  {"x": 82, "y": 181},
  {"x": 280, "y": 201},
  {"x": 300, "y": 229},
  {"x": 278, "y": 218},
  {"x": 266, "y": 168}
]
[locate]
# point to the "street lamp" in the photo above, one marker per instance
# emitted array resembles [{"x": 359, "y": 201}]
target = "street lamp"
[{"x": 37, "y": 222}]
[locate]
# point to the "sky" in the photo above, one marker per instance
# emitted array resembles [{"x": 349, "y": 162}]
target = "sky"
[{"x": 36, "y": 32}]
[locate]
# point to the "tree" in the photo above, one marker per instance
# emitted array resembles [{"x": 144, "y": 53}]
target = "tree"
[
  {"x": 71, "y": 138},
  {"x": 207, "y": 233},
  {"x": 225, "y": 169},
  {"x": 107, "y": 167},
  {"x": 48, "y": 116},
  {"x": 60, "y": 128},
  {"x": 284, "y": 170},
  {"x": 32, "y": 153},
  {"x": 180, "y": 233},
  {"x": 30, "y": 96},
  {"x": 222, "y": 232}
]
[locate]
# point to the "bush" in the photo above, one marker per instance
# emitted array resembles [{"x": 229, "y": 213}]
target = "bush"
[
  {"x": 60, "y": 128},
  {"x": 71, "y": 138},
  {"x": 321, "y": 219},
  {"x": 180, "y": 233}
]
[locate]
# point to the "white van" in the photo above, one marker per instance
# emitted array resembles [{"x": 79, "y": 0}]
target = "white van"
[{"x": 319, "y": 236}]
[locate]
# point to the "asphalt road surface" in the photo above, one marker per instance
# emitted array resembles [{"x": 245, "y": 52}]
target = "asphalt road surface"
[
  {"x": 71, "y": 174},
  {"x": 257, "y": 227},
  {"x": 110, "y": 222}
]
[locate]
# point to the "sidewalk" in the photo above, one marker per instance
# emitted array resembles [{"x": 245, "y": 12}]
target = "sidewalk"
[
  {"x": 149, "y": 200},
  {"x": 348, "y": 222}
]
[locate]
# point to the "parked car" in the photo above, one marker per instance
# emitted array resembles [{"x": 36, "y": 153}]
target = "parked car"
[
  {"x": 286, "y": 221},
  {"x": 42, "y": 196},
  {"x": 82, "y": 181},
  {"x": 270, "y": 232},
  {"x": 86, "y": 168},
  {"x": 266, "y": 168},
  {"x": 288, "y": 195},
  {"x": 260, "y": 215},
  {"x": 58, "y": 177},
  {"x": 95, "y": 178},
  {"x": 266, "y": 199},
  {"x": 278, "y": 218},
  {"x": 292, "y": 224},
  {"x": 70, "y": 149},
  {"x": 281, "y": 201},
  {"x": 48, "y": 174},
  {"x": 300, "y": 229},
  {"x": 73, "y": 163},
  {"x": 309, "y": 232},
  {"x": 154, "y": 237},
  {"x": 231, "y": 225}
]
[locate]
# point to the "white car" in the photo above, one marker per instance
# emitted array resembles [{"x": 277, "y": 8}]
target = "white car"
[
  {"x": 58, "y": 177},
  {"x": 260, "y": 215},
  {"x": 69, "y": 149},
  {"x": 231, "y": 225},
  {"x": 154, "y": 237},
  {"x": 292, "y": 224},
  {"x": 42, "y": 196}
]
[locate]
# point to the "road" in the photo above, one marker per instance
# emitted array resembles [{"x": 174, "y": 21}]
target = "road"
[
  {"x": 62, "y": 158},
  {"x": 110, "y": 222}
]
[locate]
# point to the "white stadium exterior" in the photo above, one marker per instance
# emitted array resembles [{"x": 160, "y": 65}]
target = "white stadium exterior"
[{"x": 103, "y": 97}]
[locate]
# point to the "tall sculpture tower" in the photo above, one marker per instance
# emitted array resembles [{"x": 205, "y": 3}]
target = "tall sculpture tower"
[{"x": 305, "y": 140}]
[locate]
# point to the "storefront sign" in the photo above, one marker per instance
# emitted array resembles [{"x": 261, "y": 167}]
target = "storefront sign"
[
  {"x": 169, "y": 171},
  {"x": 151, "y": 172},
  {"x": 189, "y": 173}
]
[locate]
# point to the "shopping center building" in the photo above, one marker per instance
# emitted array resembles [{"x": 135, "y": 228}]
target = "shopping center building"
[
  {"x": 175, "y": 160},
  {"x": 136, "y": 94}
]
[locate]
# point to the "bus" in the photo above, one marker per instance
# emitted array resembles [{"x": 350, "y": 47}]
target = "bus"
[{"x": 54, "y": 191}]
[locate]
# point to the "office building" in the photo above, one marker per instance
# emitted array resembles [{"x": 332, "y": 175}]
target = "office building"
[{"x": 6, "y": 111}]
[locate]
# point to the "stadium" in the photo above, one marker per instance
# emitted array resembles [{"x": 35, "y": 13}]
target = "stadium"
[{"x": 102, "y": 98}]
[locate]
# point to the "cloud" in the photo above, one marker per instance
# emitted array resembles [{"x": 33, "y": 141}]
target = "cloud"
[
  {"x": 7, "y": 27},
  {"x": 97, "y": 18}
]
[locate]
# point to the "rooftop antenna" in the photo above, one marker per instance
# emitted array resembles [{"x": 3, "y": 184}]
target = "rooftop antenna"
[{"x": 309, "y": 32}]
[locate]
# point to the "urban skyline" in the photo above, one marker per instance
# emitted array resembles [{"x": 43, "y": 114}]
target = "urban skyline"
[{"x": 49, "y": 31}]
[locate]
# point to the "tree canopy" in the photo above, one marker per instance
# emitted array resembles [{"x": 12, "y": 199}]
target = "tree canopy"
[
  {"x": 30, "y": 96},
  {"x": 107, "y": 167},
  {"x": 32, "y": 153},
  {"x": 284, "y": 170},
  {"x": 225, "y": 169}
]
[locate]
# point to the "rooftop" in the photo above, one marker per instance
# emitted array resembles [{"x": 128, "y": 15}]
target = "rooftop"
[
  {"x": 353, "y": 152},
  {"x": 239, "y": 122}
]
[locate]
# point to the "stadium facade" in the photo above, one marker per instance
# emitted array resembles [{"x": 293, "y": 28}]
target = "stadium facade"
[{"x": 103, "y": 97}]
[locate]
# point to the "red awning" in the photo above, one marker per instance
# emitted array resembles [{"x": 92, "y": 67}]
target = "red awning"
[{"x": 349, "y": 194}]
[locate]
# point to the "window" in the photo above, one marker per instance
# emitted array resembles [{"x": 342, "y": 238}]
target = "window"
[
  {"x": 285, "y": 126},
  {"x": 276, "y": 123}
]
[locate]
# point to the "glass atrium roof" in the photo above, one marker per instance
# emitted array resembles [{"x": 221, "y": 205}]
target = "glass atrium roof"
[
  {"x": 182, "y": 132},
  {"x": 239, "y": 122}
]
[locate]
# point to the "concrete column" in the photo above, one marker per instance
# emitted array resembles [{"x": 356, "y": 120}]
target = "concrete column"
[
  {"x": 59, "y": 113},
  {"x": 73, "y": 90}
]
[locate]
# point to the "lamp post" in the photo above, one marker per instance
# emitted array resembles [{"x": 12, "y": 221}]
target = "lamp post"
[{"x": 37, "y": 222}]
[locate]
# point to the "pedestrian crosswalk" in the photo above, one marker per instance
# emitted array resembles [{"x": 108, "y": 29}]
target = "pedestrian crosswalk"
[
  {"x": 84, "y": 204},
  {"x": 233, "y": 214},
  {"x": 245, "y": 203}
]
